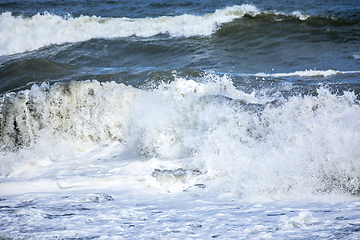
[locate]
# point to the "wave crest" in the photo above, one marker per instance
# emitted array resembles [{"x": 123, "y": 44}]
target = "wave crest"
[{"x": 20, "y": 34}]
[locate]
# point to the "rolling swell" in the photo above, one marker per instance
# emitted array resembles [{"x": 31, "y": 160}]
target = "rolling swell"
[
  {"x": 237, "y": 39},
  {"x": 294, "y": 23},
  {"x": 20, "y": 74},
  {"x": 45, "y": 28},
  {"x": 254, "y": 41},
  {"x": 287, "y": 42}
]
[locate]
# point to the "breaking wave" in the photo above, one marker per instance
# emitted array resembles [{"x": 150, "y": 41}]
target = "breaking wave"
[
  {"x": 20, "y": 34},
  {"x": 230, "y": 140}
]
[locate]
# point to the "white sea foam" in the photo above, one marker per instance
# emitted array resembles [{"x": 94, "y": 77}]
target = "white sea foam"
[
  {"x": 307, "y": 73},
  {"x": 19, "y": 34},
  {"x": 300, "y": 16},
  {"x": 181, "y": 135},
  {"x": 132, "y": 215}
]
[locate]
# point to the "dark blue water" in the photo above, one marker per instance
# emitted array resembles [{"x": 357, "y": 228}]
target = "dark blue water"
[
  {"x": 155, "y": 8},
  {"x": 282, "y": 37}
]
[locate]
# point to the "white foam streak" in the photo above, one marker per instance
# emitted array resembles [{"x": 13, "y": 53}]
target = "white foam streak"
[
  {"x": 307, "y": 73},
  {"x": 20, "y": 34}
]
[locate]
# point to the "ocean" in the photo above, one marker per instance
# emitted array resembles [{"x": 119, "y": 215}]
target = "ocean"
[{"x": 179, "y": 119}]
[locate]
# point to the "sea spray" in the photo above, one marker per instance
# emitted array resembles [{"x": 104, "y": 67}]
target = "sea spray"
[
  {"x": 303, "y": 147},
  {"x": 251, "y": 146}
]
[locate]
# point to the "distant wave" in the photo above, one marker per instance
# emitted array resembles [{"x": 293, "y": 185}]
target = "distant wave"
[{"x": 21, "y": 34}]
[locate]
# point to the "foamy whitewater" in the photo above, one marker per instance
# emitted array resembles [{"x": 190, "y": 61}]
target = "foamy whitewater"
[
  {"x": 256, "y": 146},
  {"x": 179, "y": 121}
]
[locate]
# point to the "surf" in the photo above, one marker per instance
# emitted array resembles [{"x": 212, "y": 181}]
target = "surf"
[{"x": 208, "y": 132}]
